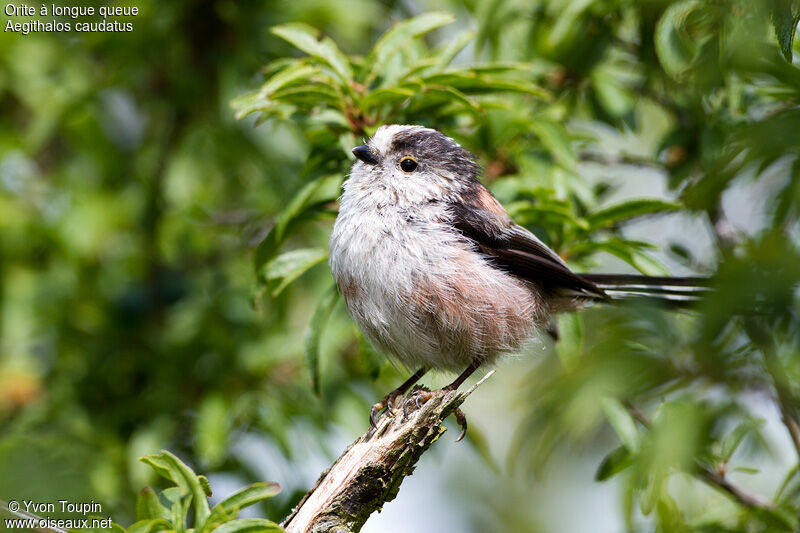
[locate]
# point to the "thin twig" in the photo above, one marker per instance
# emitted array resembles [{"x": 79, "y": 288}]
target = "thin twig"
[
  {"x": 711, "y": 477},
  {"x": 783, "y": 391}
]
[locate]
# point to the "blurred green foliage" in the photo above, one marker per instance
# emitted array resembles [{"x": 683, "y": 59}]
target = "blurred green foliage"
[{"x": 133, "y": 207}]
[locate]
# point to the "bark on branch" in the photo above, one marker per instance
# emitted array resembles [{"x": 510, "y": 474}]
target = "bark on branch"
[{"x": 370, "y": 471}]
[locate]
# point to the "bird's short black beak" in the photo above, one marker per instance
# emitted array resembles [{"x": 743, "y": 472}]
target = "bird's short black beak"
[{"x": 365, "y": 153}]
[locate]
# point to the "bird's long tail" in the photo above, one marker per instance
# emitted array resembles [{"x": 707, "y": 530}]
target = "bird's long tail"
[{"x": 670, "y": 290}]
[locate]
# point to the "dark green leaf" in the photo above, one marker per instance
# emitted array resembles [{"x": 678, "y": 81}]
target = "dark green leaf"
[
  {"x": 785, "y": 16},
  {"x": 628, "y": 210},
  {"x": 314, "y": 334},
  {"x": 614, "y": 463},
  {"x": 302, "y": 206}
]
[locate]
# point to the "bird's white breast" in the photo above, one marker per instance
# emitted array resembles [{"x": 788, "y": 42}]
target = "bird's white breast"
[{"x": 415, "y": 286}]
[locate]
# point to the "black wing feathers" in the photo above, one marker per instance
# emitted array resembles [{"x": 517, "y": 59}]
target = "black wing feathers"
[{"x": 514, "y": 248}]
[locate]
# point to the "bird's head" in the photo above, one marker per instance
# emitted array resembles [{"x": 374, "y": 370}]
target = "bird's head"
[{"x": 414, "y": 159}]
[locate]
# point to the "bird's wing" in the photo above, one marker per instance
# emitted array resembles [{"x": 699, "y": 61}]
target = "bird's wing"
[{"x": 481, "y": 218}]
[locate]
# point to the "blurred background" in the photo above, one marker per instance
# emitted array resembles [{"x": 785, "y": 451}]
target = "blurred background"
[{"x": 161, "y": 260}]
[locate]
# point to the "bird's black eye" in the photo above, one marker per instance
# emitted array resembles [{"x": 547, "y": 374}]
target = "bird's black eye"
[{"x": 408, "y": 164}]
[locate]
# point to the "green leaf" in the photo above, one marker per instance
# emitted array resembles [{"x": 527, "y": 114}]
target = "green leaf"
[
  {"x": 632, "y": 252},
  {"x": 555, "y": 139},
  {"x": 732, "y": 441},
  {"x": 453, "y": 96},
  {"x": 746, "y": 470},
  {"x": 570, "y": 339},
  {"x": 252, "y": 494},
  {"x": 398, "y": 36},
  {"x": 308, "y": 39},
  {"x": 303, "y": 206},
  {"x": 785, "y": 16},
  {"x": 613, "y": 463},
  {"x": 608, "y": 216},
  {"x": 249, "y": 525},
  {"x": 148, "y": 507},
  {"x": 314, "y": 334},
  {"x": 149, "y": 526},
  {"x": 289, "y": 266},
  {"x": 622, "y": 422},
  {"x": 371, "y": 358},
  {"x": 212, "y": 427},
  {"x": 472, "y": 82},
  {"x": 287, "y": 76},
  {"x": 673, "y": 47},
  {"x": 172, "y": 468},
  {"x": 545, "y": 213},
  {"x": 386, "y": 95}
]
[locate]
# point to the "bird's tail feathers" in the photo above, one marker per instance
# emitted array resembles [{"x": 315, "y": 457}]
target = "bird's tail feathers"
[{"x": 671, "y": 290}]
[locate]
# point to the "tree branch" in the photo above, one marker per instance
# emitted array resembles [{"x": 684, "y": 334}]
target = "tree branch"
[{"x": 369, "y": 472}]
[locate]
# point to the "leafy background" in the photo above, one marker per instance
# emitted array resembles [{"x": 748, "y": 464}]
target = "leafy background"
[{"x": 163, "y": 263}]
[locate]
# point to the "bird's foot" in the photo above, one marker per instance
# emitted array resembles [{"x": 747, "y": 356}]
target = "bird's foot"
[{"x": 420, "y": 396}]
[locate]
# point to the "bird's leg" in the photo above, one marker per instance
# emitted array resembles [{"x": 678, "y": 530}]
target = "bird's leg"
[
  {"x": 474, "y": 365},
  {"x": 421, "y": 396},
  {"x": 389, "y": 398}
]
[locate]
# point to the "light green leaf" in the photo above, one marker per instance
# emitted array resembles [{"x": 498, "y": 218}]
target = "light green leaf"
[
  {"x": 148, "y": 507},
  {"x": 149, "y": 526},
  {"x": 398, "y": 36},
  {"x": 314, "y": 334},
  {"x": 734, "y": 439},
  {"x": 622, "y": 422},
  {"x": 556, "y": 141},
  {"x": 570, "y": 339},
  {"x": 307, "y": 39},
  {"x": 624, "y": 211},
  {"x": 673, "y": 47},
  {"x": 287, "y": 267},
  {"x": 212, "y": 427},
  {"x": 252, "y": 494},
  {"x": 632, "y": 252},
  {"x": 287, "y": 76},
  {"x": 172, "y": 468},
  {"x": 249, "y": 525}
]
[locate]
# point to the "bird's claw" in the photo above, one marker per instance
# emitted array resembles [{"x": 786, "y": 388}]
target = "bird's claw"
[
  {"x": 417, "y": 398},
  {"x": 461, "y": 418},
  {"x": 377, "y": 408},
  {"x": 386, "y": 404}
]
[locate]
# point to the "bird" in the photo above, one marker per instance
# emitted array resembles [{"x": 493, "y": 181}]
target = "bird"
[{"x": 436, "y": 273}]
